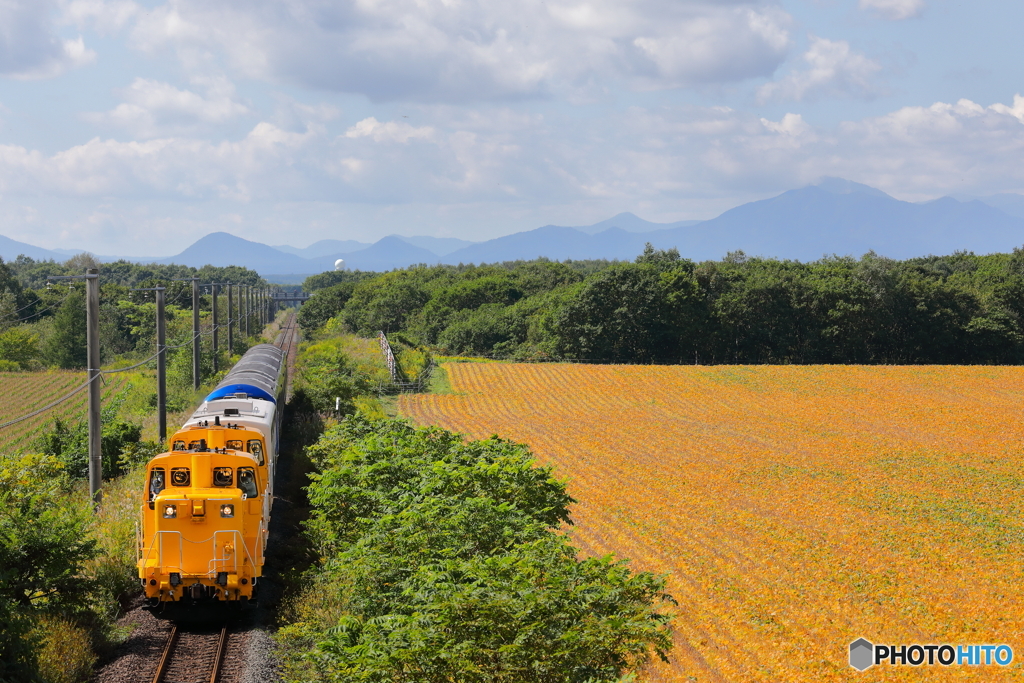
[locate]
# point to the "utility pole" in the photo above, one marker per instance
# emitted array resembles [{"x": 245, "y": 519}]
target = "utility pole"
[
  {"x": 231, "y": 323},
  {"x": 92, "y": 322},
  {"x": 195, "y": 333},
  {"x": 92, "y": 357},
  {"x": 215, "y": 288},
  {"x": 161, "y": 366},
  {"x": 248, "y": 308}
]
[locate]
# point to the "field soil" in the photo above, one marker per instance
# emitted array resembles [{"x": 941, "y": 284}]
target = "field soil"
[
  {"x": 794, "y": 508},
  {"x": 22, "y": 393}
]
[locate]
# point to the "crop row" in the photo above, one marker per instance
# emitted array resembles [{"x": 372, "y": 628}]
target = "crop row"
[
  {"x": 24, "y": 392},
  {"x": 795, "y": 508}
]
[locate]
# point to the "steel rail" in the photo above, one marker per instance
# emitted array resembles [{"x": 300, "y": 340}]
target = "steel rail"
[
  {"x": 165, "y": 658},
  {"x": 172, "y": 639},
  {"x": 221, "y": 642}
]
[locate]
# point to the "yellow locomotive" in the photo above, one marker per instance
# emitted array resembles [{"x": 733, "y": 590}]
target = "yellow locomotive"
[{"x": 206, "y": 506}]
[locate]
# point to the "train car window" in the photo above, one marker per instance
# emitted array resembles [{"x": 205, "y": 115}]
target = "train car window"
[
  {"x": 157, "y": 482},
  {"x": 256, "y": 448},
  {"x": 222, "y": 476},
  {"x": 247, "y": 482},
  {"x": 180, "y": 476},
  {"x": 197, "y": 446},
  {"x": 178, "y": 446},
  {"x": 235, "y": 444}
]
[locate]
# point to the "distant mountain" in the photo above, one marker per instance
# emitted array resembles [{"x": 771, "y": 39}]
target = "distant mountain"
[
  {"x": 839, "y": 217},
  {"x": 387, "y": 253},
  {"x": 631, "y": 223},
  {"x": 441, "y": 246},
  {"x": 11, "y": 249},
  {"x": 224, "y": 249},
  {"x": 324, "y": 247},
  {"x": 835, "y": 216},
  {"x": 554, "y": 242},
  {"x": 1009, "y": 203}
]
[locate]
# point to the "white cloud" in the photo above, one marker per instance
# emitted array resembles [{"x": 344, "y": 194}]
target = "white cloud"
[
  {"x": 29, "y": 46},
  {"x": 474, "y": 50},
  {"x": 392, "y": 131},
  {"x": 504, "y": 163},
  {"x": 153, "y": 108},
  {"x": 833, "y": 69},
  {"x": 895, "y": 9},
  {"x": 104, "y": 16}
]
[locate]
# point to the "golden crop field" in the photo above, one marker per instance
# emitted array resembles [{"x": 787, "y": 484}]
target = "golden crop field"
[
  {"x": 795, "y": 508},
  {"x": 23, "y": 392}
]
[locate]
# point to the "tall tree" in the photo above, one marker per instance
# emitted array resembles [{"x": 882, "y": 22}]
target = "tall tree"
[{"x": 66, "y": 346}]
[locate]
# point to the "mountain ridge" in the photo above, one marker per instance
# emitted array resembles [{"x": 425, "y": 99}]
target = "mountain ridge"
[{"x": 833, "y": 216}]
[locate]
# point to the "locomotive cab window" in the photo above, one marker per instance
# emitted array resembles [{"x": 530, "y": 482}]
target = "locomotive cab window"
[
  {"x": 197, "y": 446},
  {"x": 247, "y": 481},
  {"x": 235, "y": 444},
  {"x": 222, "y": 476},
  {"x": 178, "y": 446},
  {"x": 180, "y": 476},
  {"x": 256, "y": 448},
  {"x": 157, "y": 482}
]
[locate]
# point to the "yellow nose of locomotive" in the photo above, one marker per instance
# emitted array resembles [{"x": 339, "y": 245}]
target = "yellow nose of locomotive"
[{"x": 201, "y": 532}]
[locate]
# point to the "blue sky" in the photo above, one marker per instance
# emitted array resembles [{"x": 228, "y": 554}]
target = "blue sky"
[{"x": 137, "y": 127}]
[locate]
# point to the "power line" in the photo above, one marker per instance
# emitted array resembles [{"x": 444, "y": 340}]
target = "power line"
[{"x": 49, "y": 405}]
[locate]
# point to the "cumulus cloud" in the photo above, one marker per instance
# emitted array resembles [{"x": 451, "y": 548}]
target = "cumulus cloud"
[
  {"x": 392, "y": 131},
  {"x": 895, "y": 9},
  {"x": 153, "y": 108},
  {"x": 502, "y": 162},
  {"x": 29, "y": 46},
  {"x": 474, "y": 50},
  {"x": 103, "y": 16},
  {"x": 833, "y": 68}
]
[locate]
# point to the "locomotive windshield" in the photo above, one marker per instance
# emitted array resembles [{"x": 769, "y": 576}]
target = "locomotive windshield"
[
  {"x": 256, "y": 448},
  {"x": 156, "y": 482},
  {"x": 247, "y": 482},
  {"x": 222, "y": 476}
]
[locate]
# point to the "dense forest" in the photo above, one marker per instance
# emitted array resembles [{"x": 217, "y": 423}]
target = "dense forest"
[{"x": 663, "y": 308}]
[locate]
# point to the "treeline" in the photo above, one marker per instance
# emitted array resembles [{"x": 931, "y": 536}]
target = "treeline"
[
  {"x": 961, "y": 308},
  {"x": 44, "y": 326}
]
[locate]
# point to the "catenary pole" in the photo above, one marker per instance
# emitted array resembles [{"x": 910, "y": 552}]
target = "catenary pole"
[
  {"x": 196, "y": 368},
  {"x": 231, "y": 323},
  {"x": 161, "y": 367},
  {"x": 216, "y": 292},
  {"x": 92, "y": 322}
]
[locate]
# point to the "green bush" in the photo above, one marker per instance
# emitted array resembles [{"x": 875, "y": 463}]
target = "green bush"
[
  {"x": 442, "y": 564},
  {"x": 19, "y": 348},
  {"x": 18, "y": 660},
  {"x": 65, "y": 653}
]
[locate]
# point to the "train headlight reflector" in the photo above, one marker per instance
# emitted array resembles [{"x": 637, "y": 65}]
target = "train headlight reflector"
[
  {"x": 170, "y": 511},
  {"x": 227, "y": 510}
]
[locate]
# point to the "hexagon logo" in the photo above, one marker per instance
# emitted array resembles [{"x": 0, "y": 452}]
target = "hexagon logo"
[{"x": 862, "y": 654}]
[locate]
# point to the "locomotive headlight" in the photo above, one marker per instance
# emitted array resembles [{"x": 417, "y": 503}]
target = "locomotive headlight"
[
  {"x": 227, "y": 510},
  {"x": 170, "y": 511}
]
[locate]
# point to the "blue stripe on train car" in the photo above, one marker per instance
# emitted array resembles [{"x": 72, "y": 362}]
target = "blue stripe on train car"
[{"x": 230, "y": 390}]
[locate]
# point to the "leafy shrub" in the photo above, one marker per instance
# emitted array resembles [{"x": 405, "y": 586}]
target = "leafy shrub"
[
  {"x": 69, "y": 441},
  {"x": 18, "y": 661},
  {"x": 19, "y": 348},
  {"x": 442, "y": 565},
  {"x": 65, "y": 653},
  {"x": 44, "y": 539}
]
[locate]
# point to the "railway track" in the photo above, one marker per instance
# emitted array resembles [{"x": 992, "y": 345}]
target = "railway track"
[
  {"x": 286, "y": 340},
  {"x": 192, "y": 657}
]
